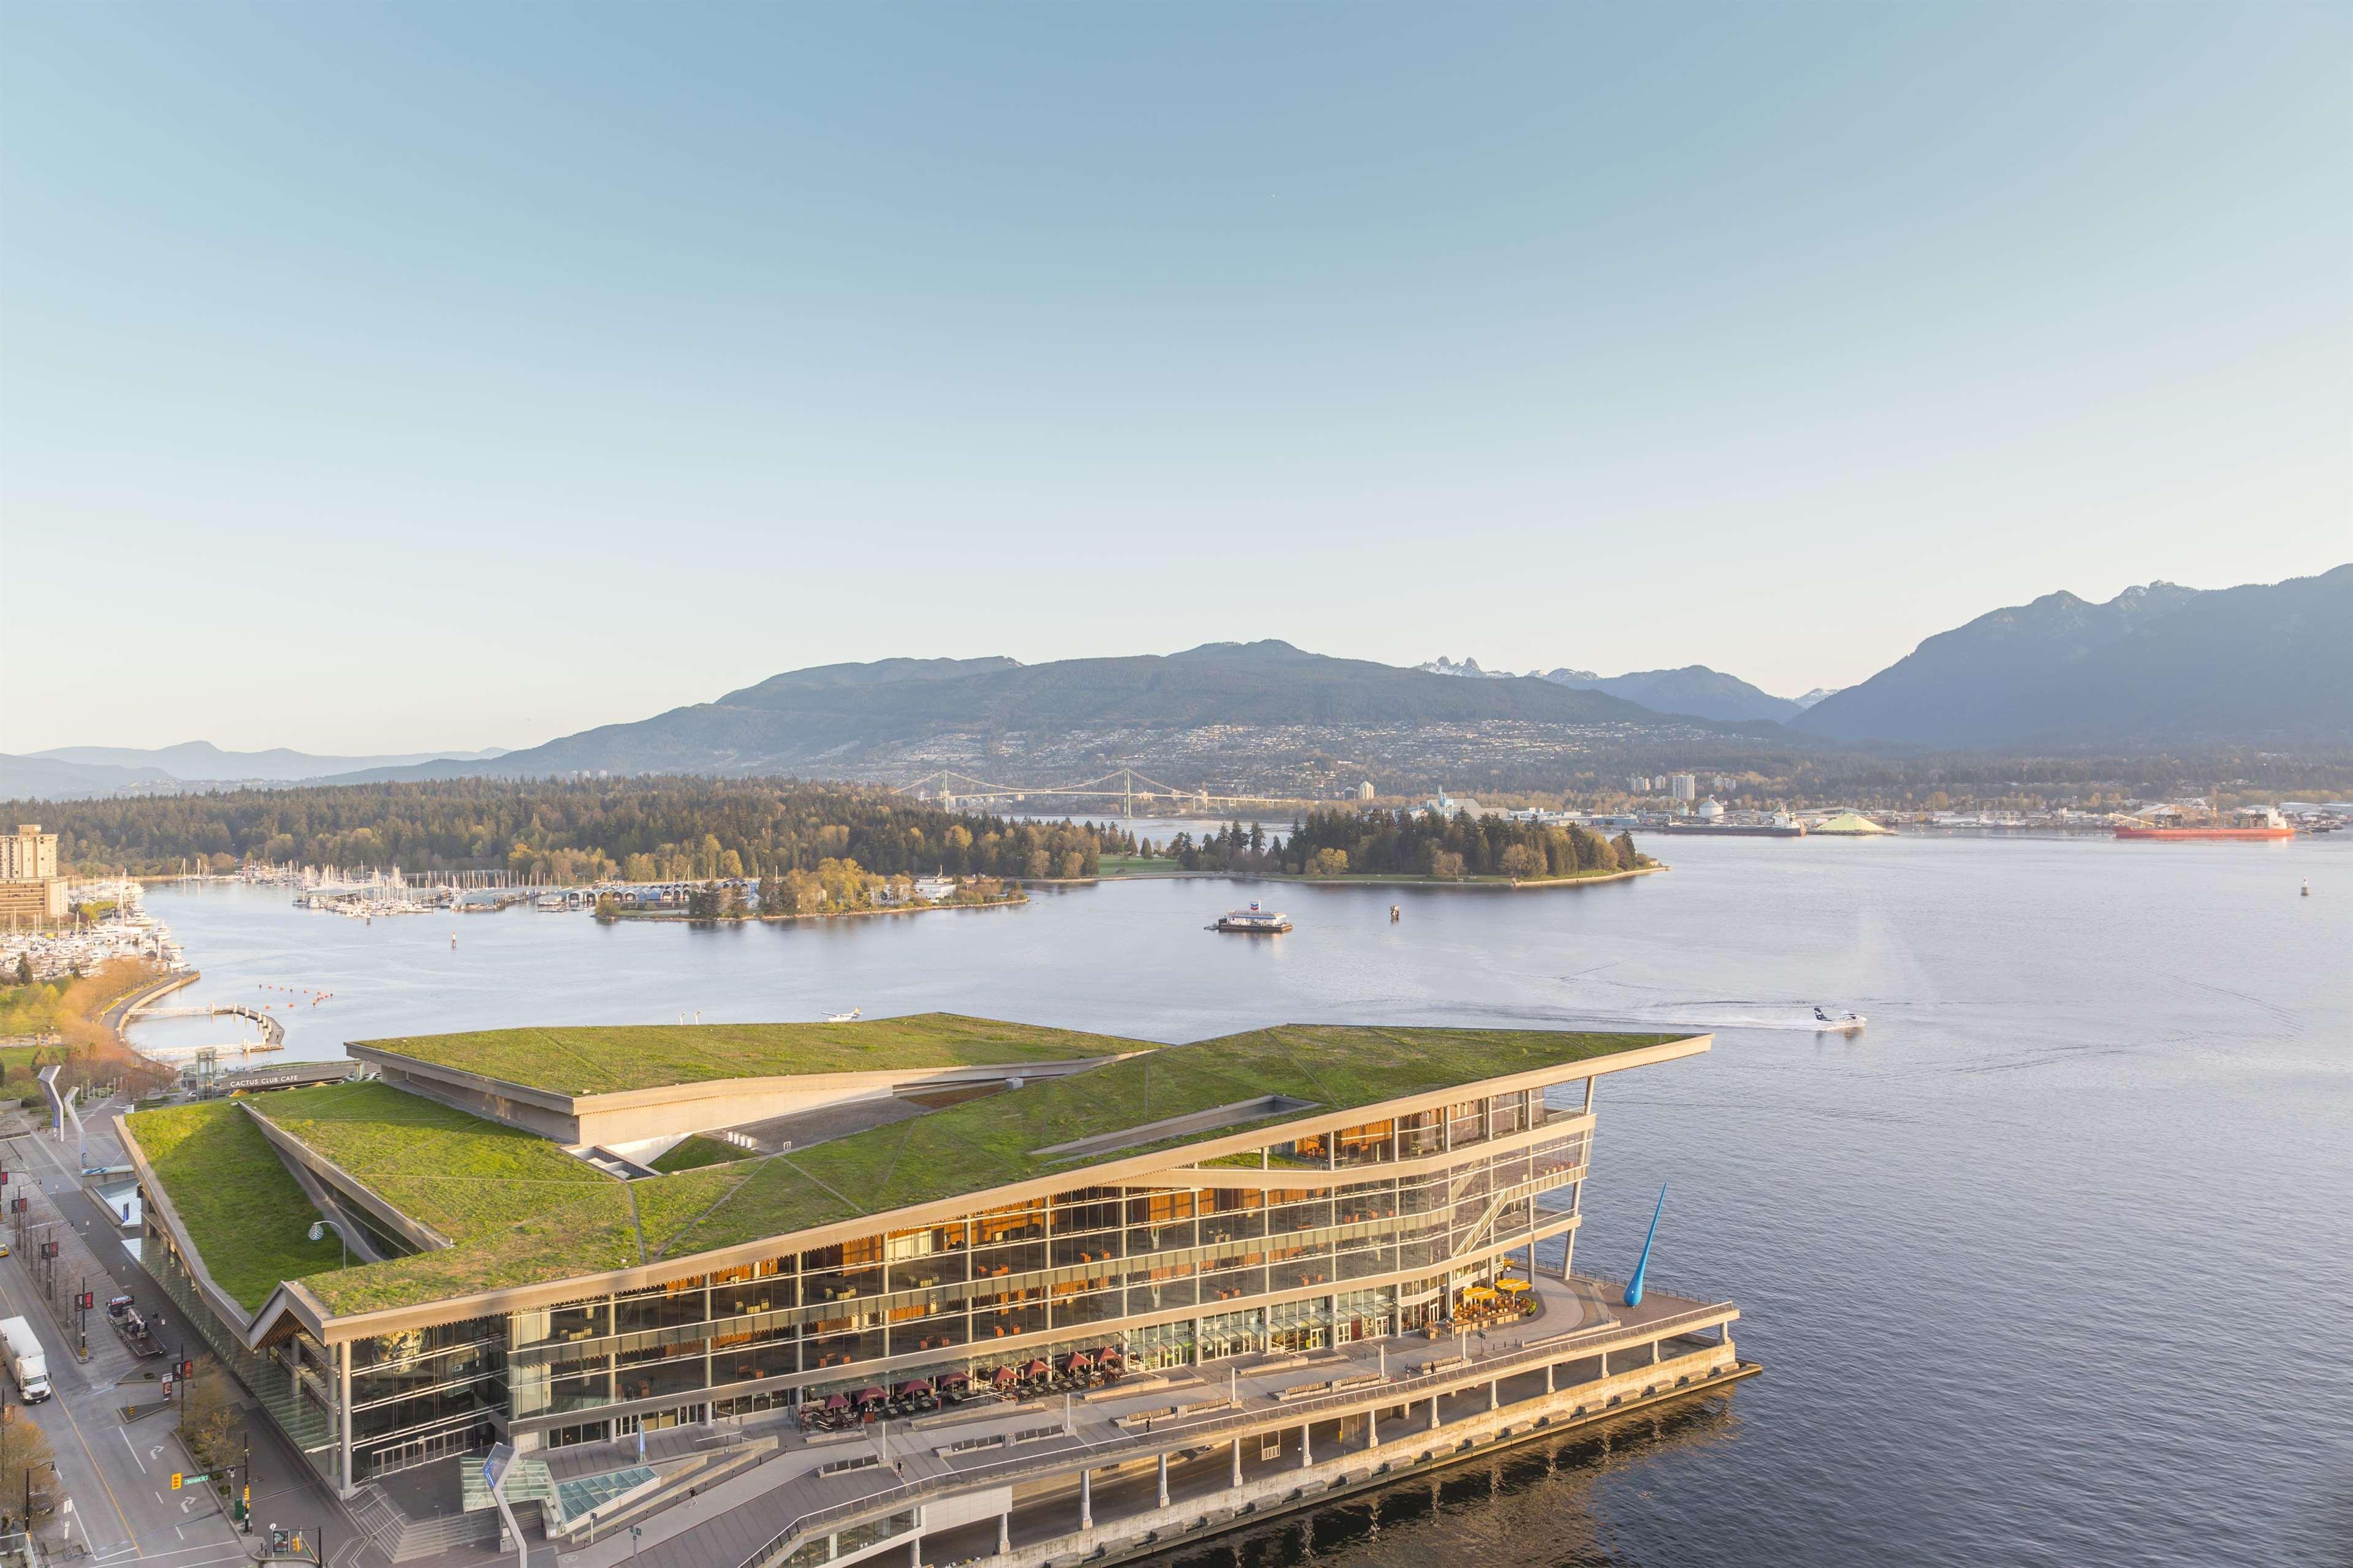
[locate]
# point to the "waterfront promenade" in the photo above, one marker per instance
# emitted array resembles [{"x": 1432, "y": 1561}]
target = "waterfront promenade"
[{"x": 1162, "y": 1457}]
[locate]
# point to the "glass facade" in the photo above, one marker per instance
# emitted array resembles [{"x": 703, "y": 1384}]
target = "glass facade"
[{"x": 1188, "y": 1268}]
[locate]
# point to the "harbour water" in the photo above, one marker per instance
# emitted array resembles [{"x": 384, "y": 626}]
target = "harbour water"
[{"x": 2049, "y": 1265}]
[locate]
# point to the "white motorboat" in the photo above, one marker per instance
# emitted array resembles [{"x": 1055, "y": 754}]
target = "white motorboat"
[
  {"x": 848, "y": 1017},
  {"x": 1841, "y": 1023}
]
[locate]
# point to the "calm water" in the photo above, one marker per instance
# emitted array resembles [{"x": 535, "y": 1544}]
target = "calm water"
[{"x": 2053, "y": 1266}]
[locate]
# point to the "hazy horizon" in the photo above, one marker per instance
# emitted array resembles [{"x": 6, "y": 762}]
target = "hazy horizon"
[{"x": 381, "y": 379}]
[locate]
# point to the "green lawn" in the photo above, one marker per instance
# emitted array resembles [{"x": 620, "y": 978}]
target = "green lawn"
[
  {"x": 1135, "y": 865},
  {"x": 520, "y": 1211},
  {"x": 455, "y": 1173},
  {"x": 248, "y": 1216},
  {"x": 696, "y": 1152},
  {"x": 610, "y": 1060}
]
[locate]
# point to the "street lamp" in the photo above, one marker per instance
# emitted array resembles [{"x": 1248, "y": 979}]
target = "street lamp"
[{"x": 341, "y": 1239}]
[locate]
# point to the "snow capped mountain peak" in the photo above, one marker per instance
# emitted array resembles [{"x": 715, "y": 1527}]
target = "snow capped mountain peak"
[{"x": 1442, "y": 665}]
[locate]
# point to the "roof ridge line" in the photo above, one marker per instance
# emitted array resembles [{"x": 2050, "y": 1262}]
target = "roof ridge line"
[
  {"x": 548, "y": 1037},
  {"x": 882, "y": 1183},
  {"x": 829, "y": 1186},
  {"x": 1293, "y": 1057},
  {"x": 741, "y": 1182}
]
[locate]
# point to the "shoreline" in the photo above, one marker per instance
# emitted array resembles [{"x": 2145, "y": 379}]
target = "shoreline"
[
  {"x": 1476, "y": 884},
  {"x": 674, "y": 916}
]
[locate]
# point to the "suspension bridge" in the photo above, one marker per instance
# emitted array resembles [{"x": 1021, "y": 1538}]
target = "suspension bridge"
[{"x": 1131, "y": 789}]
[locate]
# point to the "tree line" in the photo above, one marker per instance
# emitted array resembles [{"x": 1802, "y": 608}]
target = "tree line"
[
  {"x": 641, "y": 829},
  {"x": 1376, "y": 842}
]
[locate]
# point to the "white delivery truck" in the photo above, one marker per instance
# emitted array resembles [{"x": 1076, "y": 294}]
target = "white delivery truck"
[{"x": 26, "y": 1364}]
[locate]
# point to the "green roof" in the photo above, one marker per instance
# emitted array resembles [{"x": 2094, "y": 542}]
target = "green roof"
[
  {"x": 613, "y": 1060},
  {"x": 520, "y": 1211},
  {"x": 249, "y": 1218}
]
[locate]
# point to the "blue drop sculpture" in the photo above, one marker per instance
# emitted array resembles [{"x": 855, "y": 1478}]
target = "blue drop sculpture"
[{"x": 1634, "y": 1286}]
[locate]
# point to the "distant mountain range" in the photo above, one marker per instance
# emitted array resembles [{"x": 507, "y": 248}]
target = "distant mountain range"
[
  {"x": 2160, "y": 666},
  {"x": 2156, "y": 666},
  {"x": 1695, "y": 689},
  {"x": 1183, "y": 711},
  {"x": 110, "y": 769}
]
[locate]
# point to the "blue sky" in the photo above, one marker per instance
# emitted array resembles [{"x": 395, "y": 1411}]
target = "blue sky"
[{"x": 388, "y": 377}]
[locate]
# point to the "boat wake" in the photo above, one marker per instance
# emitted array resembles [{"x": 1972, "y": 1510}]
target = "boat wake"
[{"x": 1793, "y": 1018}]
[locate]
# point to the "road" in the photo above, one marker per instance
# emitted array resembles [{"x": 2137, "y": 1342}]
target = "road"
[{"x": 119, "y": 1474}]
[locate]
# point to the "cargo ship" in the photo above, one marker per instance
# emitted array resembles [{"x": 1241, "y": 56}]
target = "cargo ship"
[{"x": 2257, "y": 822}]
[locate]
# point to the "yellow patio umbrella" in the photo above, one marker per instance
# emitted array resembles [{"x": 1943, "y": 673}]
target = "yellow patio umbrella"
[
  {"x": 1478, "y": 1293},
  {"x": 1514, "y": 1285}
]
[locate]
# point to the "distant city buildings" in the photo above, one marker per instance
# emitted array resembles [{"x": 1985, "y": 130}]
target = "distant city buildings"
[
  {"x": 1448, "y": 806},
  {"x": 1683, "y": 786},
  {"x": 28, "y": 854},
  {"x": 30, "y": 890}
]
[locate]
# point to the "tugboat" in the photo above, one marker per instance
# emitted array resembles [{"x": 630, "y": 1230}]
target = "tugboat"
[{"x": 1253, "y": 921}]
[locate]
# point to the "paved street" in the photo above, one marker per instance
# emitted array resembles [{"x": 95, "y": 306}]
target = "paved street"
[{"x": 119, "y": 1474}]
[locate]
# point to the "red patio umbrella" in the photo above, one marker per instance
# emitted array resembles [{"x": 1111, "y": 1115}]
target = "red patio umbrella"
[
  {"x": 949, "y": 1379},
  {"x": 1035, "y": 1369},
  {"x": 1077, "y": 1361},
  {"x": 871, "y": 1396},
  {"x": 1004, "y": 1374},
  {"x": 913, "y": 1385},
  {"x": 838, "y": 1402}
]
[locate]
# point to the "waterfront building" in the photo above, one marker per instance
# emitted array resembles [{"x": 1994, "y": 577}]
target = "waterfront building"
[
  {"x": 669, "y": 1267},
  {"x": 28, "y": 854},
  {"x": 31, "y": 892},
  {"x": 1683, "y": 786}
]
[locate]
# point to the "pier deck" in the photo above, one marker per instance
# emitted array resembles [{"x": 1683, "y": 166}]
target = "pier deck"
[{"x": 1568, "y": 1363}]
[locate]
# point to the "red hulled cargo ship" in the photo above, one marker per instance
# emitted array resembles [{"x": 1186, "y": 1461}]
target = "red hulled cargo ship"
[{"x": 2258, "y": 823}]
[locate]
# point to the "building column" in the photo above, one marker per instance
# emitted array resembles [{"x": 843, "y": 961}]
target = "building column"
[
  {"x": 1086, "y": 1500},
  {"x": 1548, "y": 1383},
  {"x": 1238, "y": 1461},
  {"x": 1433, "y": 1412},
  {"x": 1306, "y": 1449},
  {"x": 1163, "y": 1480},
  {"x": 1372, "y": 1429},
  {"x": 1494, "y": 1393},
  {"x": 344, "y": 1417},
  {"x": 1005, "y": 1534}
]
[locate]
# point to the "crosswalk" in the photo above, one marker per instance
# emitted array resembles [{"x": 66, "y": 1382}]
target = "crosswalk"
[{"x": 124, "y": 1553}]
